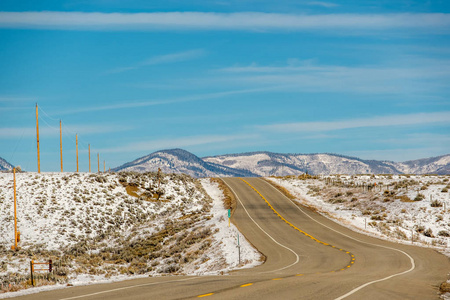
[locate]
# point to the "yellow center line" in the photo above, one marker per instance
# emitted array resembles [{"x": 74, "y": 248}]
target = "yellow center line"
[
  {"x": 299, "y": 275},
  {"x": 248, "y": 284},
  {"x": 293, "y": 226},
  {"x": 205, "y": 295},
  {"x": 277, "y": 278}
]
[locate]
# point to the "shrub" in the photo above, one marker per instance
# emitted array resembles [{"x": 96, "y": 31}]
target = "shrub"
[
  {"x": 419, "y": 197},
  {"x": 428, "y": 232},
  {"x": 436, "y": 203},
  {"x": 444, "y": 233}
]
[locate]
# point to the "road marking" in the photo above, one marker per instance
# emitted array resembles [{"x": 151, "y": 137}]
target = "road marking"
[
  {"x": 248, "y": 214},
  {"x": 127, "y": 287},
  {"x": 413, "y": 264},
  {"x": 248, "y": 284},
  {"x": 286, "y": 221},
  {"x": 301, "y": 274},
  {"x": 205, "y": 295},
  {"x": 277, "y": 278}
]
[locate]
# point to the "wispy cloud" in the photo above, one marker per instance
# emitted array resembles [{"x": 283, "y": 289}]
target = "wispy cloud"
[
  {"x": 322, "y": 4},
  {"x": 46, "y": 130},
  {"x": 129, "y": 104},
  {"x": 380, "y": 121},
  {"x": 312, "y": 77},
  {"x": 162, "y": 59},
  {"x": 435, "y": 22},
  {"x": 188, "y": 141}
]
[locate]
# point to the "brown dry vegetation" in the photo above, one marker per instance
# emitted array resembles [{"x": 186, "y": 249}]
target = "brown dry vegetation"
[{"x": 229, "y": 201}]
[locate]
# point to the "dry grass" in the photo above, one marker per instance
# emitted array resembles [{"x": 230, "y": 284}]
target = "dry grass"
[
  {"x": 281, "y": 189},
  {"x": 229, "y": 201},
  {"x": 132, "y": 191}
]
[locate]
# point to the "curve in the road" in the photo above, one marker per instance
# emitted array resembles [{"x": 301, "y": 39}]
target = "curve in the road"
[
  {"x": 413, "y": 265},
  {"x": 352, "y": 257}
]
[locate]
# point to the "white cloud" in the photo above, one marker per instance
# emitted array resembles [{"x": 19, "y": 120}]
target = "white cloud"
[
  {"x": 436, "y": 22},
  {"x": 419, "y": 77},
  {"x": 162, "y": 59},
  {"x": 48, "y": 130},
  {"x": 129, "y": 104},
  {"x": 323, "y": 4},
  {"x": 380, "y": 121},
  {"x": 180, "y": 142}
]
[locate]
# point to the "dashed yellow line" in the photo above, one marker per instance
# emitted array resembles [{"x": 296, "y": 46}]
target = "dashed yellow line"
[
  {"x": 205, "y": 295},
  {"x": 298, "y": 229},
  {"x": 277, "y": 278},
  {"x": 248, "y": 284}
]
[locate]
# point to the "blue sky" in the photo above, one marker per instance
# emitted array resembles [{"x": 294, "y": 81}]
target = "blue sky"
[{"x": 361, "y": 78}]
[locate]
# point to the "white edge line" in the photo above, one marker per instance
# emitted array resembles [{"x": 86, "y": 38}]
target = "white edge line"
[
  {"x": 127, "y": 287},
  {"x": 413, "y": 265},
  {"x": 296, "y": 255}
]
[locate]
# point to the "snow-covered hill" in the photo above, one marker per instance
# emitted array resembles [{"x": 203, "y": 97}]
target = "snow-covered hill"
[
  {"x": 98, "y": 227},
  {"x": 5, "y": 166},
  {"x": 402, "y": 208},
  {"x": 277, "y": 164},
  {"x": 181, "y": 161}
]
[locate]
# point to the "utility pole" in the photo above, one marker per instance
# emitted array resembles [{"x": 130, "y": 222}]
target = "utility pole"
[
  {"x": 89, "y": 158},
  {"x": 104, "y": 167},
  {"x": 37, "y": 138},
  {"x": 98, "y": 162},
  {"x": 60, "y": 144},
  {"x": 16, "y": 234},
  {"x": 76, "y": 140}
]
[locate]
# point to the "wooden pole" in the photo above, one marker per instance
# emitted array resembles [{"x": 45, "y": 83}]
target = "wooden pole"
[
  {"x": 37, "y": 138},
  {"x": 60, "y": 144},
  {"x": 89, "y": 146},
  {"x": 98, "y": 162},
  {"x": 76, "y": 140},
  {"x": 15, "y": 212}
]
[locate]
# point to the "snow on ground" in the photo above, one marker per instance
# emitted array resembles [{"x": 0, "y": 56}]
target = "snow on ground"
[
  {"x": 226, "y": 237},
  {"x": 393, "y": 207},
  {"x": 108, "y": 227}
]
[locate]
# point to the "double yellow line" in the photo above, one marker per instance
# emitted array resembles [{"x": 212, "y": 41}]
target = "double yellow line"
[{"x": 352, "y": 257}]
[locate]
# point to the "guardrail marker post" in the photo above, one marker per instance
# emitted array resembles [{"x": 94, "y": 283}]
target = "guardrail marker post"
[
  {"x": 239, "y": 249},
  {"x": 31, "y": 271}
]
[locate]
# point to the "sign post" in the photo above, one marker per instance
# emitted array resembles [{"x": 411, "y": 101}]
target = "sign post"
[{"x": 229, "y": 217}]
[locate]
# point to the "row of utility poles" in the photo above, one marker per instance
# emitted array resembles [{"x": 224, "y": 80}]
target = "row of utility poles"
[{"x": 60, "y": 148}]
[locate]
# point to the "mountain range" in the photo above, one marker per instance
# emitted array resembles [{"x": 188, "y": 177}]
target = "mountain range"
[
  {"x": 278, "y": 164},
  {"x": 5, "y": 166}
]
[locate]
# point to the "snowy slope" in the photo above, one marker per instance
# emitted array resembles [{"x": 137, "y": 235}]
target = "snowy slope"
[
  {"x": 434, "y": 165},
  {"x": 390, "y": 209},
  {"x": 108, "y": 227},
  {"x": 4, "y": 165},
  {"x": 180, "y": 161},
  {"x": 276, "y": 164}
]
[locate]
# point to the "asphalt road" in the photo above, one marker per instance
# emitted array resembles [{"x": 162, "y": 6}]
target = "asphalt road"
[{"x": 307, "y": 257}]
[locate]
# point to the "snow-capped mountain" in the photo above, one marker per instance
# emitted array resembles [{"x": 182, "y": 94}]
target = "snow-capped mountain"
[
  {"x": 433, "y": 165},
  {"x": 277, "y": 164},
  {"x": 5, "y": 166},
  {"x": 181, "y": 161}
]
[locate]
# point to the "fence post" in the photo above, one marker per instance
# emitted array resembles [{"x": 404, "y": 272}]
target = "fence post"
[{"x": 31, "y": 271}]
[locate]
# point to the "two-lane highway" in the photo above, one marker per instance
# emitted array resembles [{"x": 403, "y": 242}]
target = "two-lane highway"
[{"x": 307, "y": 257}]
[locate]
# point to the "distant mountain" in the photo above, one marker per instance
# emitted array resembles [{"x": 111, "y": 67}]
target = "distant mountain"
[
  {"x": 181, "y": 161},
  {"x": 277, "y": 164},
  {"x": 5, "y": 166},
  {"x": 434, "y": 165}
]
